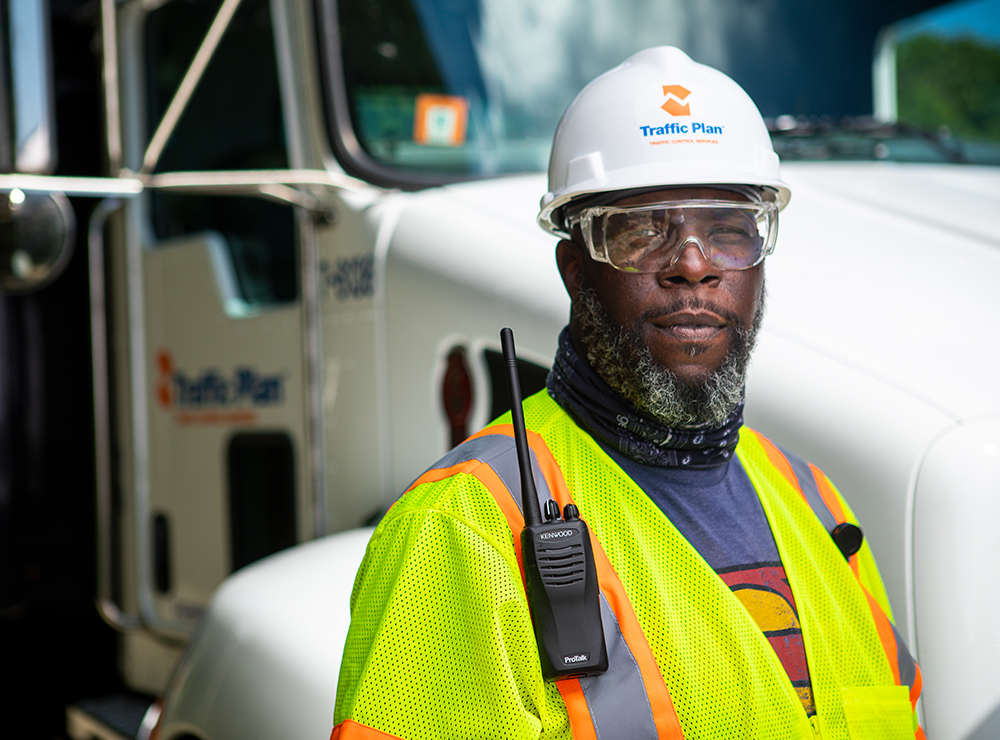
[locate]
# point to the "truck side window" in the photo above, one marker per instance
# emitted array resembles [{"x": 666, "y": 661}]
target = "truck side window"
[
  {"x": 410, "y": 100},
  {"x": 232, "y": 122},
  {"x": 386, "y": 65}
]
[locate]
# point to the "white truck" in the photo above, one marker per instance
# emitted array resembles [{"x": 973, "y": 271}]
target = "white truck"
[{"x": 316, "y": 217}]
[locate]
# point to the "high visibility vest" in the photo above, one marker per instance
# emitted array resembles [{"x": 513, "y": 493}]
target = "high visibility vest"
[{"x": 686, "y": 658}]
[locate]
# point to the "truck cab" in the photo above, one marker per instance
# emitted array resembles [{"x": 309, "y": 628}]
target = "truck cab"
[{"x": 312, "y": 221}]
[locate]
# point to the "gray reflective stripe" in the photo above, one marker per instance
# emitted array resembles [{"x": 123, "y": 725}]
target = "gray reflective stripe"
[
  {"x": 907, "y": 665},
  {"x": 497, "y": 451},
  {"x": 617, "y": 700},
  {"x": 807, "y": 482}
]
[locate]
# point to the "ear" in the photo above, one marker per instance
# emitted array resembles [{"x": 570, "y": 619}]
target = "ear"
[{"x": 570, "y": 258}]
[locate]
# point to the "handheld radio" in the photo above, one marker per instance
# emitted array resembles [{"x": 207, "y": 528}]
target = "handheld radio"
[{"x": 558, "y": 564}]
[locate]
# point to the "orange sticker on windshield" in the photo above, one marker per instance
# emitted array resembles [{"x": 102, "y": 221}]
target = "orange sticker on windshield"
[{"x": 440, "y": 120}]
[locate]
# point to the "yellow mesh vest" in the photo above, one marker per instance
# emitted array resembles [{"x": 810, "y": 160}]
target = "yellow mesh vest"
[
  {"x": 441, "y": 643},
  {"x": 723, "y": 676}
]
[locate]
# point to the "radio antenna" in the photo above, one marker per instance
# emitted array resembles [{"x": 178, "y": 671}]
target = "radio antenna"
[{"x": 529, "y": 495}]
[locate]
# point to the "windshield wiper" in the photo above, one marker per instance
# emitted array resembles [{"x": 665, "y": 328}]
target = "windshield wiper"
[{"x": 850, "y": 137}]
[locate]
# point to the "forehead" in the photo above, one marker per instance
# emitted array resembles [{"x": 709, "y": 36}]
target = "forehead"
[{"x": 675, "y": 194}]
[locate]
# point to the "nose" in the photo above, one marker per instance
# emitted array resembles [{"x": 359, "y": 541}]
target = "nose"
[{"x": 689, "y": 264}]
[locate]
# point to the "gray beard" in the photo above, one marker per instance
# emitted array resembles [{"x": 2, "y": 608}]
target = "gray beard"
[{"x": 621, "y": 358}]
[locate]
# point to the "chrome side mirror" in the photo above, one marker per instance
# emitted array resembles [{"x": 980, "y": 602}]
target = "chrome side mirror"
[{"x": 36, "y": 239}]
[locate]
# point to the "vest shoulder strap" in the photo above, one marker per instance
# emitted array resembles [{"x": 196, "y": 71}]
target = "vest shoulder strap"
[
  {"x": 596, "y": 705},
  {"x": 818, "y": 492}
]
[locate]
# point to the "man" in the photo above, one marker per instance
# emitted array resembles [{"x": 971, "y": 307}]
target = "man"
[{"x": 734, "y": 602}]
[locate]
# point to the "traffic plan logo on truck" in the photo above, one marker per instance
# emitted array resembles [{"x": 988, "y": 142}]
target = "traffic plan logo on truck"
[{"x": 213, "y": 397}]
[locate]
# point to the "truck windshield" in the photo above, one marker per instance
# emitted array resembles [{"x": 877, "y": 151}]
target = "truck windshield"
[{"x": 424, "y": 91}]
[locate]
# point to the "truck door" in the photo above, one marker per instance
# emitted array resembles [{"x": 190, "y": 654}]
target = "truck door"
[{"x": 206, "y": 317}]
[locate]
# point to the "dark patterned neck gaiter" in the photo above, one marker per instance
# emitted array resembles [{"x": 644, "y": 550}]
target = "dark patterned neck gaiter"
[{"x": 609, "y": 418}]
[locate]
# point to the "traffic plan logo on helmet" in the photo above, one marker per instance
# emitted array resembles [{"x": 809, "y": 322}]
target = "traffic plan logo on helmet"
[{"x": 675, "y": 105}]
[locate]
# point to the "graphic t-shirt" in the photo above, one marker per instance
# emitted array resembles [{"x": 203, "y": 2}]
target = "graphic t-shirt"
[{"x": 718, "y": 512}]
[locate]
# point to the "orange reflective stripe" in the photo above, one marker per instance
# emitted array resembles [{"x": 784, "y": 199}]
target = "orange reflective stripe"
[
  {"x": 664, "y": 714},
  {"x": 436, "y": 474},
  {"x": 832, "y": 502},
  {"x": 507, "y": 429},
  {"x": 485, "y": 475},
  {"x": 662, "y": 706},
  {"x": 781, "y": 464},
  {"x": 829, "y": 497},
  {"x": 515, "y": 520},
  {"x": 885, "y": 633},
  {"x": 351, "y": 730},
  {"x": 917, "y": 687},
  {"x": 778, "y": 460},
  {"x": 550, "y": 469},
  {"x": 665, "y": 719},
  {"x": 546, "y": 462},
  {"x": 580, "y": 722},
  {"x": 888, "y": 638}
]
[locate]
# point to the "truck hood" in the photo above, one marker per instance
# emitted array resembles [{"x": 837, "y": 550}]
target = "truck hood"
[
  {"x": 892, "y": 268},
  {"x": 889, "y": 268},
  {"x": 492, "y": 246},
  {"x": 275, "y": 631}
]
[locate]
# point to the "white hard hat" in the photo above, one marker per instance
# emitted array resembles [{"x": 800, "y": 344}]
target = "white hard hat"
[{"x": 658, "y": 119}]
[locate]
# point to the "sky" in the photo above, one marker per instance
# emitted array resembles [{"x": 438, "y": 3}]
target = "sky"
[{"x": 980, "y": 18}]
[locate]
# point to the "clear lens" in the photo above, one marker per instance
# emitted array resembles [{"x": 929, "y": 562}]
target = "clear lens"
[{"x": 731, "y": 236}]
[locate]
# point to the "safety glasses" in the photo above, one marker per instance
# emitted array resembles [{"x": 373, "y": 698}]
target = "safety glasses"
[{"x": 650, "y": 238}]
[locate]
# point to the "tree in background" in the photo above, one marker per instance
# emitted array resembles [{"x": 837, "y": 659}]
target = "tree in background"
[{"x": 950, "y": 82}]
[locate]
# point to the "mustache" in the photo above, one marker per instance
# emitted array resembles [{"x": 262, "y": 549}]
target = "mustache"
[{"x": 693, "y": 303}]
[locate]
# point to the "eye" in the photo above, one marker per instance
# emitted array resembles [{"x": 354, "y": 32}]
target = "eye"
[
  {"x": 732, "y": 226},
  {"x": 729, "y": 229},
  {"x": 630, "y": 228}
]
